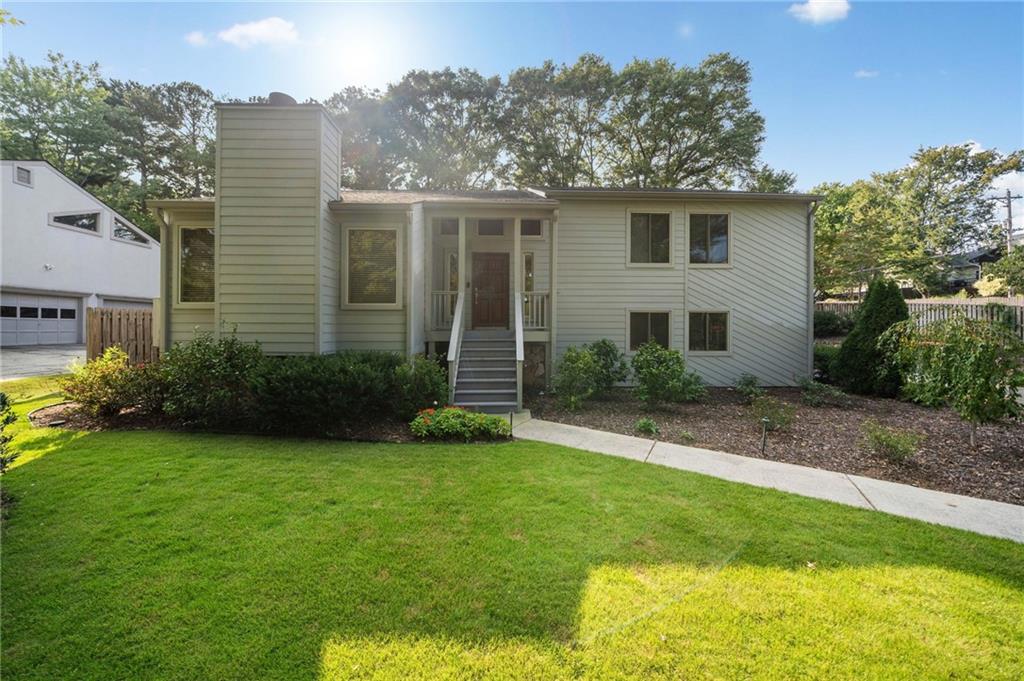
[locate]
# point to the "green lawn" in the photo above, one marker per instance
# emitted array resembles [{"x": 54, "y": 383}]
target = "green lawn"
[{"x": 175, "y": 556}]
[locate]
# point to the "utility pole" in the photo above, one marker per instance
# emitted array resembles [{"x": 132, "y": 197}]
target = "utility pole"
[{"x": 1008, "y": 200}]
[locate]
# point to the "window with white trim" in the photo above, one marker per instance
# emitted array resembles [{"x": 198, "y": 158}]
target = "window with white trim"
[
  {"x": 447, "y": 226},
  {"x": 23, "y": 176},
  {"x": 195, "y": 265},
  {"x": 490, "y": 227},
  {"x": 372, "y": 270},
  {"x": 531, "y": 228},
  {"x": 709, "y": 332},
  {"x": 709, "y": 239},
  {"x": 123, "y": 232},
  {"x": 648, "y": 326},
  {"x": 88, "y": 221},
  {"x": 650, "y": 238}
]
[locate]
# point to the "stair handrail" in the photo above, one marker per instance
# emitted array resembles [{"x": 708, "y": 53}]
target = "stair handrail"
[
  {"x": 520, "y": 352},
  {"x": 455, "y": 345}
]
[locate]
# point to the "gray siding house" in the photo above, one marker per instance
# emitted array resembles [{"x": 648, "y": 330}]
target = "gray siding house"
[{"x": 500, "y": 282}]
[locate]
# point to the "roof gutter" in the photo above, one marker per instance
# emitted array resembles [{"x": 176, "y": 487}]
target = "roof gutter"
[{"x": 675, "y": 195}]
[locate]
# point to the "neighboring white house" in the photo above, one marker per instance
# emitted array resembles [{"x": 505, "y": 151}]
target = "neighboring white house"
[
  {"x": 501, "y": 282},
  {"x": 63, "y": 250}
]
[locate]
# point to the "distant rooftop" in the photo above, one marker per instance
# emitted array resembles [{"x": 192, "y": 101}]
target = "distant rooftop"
[{"x": 357, "y": 197}]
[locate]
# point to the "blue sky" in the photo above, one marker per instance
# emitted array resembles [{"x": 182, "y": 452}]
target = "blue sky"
[{"x": 845, "y": 89}]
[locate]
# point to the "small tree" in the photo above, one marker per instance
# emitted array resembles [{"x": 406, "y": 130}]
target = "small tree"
[
  {"x": 576, "y": 377},
  {"x": 611, "y": 365},
  {"x": 976, "y": 367},
  {"x": 861, "y": 366}
]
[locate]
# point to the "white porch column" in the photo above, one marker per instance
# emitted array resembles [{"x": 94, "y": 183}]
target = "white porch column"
[
  {"x": 462, "y": 258},
  {"x": 517, "y": 257},
  {"x": 552, "y": 300}
]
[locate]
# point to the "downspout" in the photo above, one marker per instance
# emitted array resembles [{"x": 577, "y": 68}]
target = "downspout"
[{"x": 811, "y": 208}]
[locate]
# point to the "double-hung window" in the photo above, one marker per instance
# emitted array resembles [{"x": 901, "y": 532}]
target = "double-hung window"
[
  {"x": 373, "y": 267},
  {"x": 709, "y": 239},
  {"x": 195, "y": 265},
  {"x": 650, "y": 238}
]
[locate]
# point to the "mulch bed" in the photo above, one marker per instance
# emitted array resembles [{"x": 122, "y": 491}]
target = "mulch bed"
[
  {"x": 67, "y": 416},
  {"x": 828, "y": 437}
]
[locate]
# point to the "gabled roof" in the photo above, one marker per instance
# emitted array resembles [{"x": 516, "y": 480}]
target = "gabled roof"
[{"x": 83, "y": 190}]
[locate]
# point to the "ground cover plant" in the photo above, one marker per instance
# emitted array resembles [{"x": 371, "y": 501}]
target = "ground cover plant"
[
  {"x": 187, "y": 555},
  {"x": 455, "y": 423}
]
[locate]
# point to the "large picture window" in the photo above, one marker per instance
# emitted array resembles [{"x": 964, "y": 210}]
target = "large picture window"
[
  {"x": 195, "y": 265},
  {"x": 647, "y": 326},
  {"x": 650, "y": 239},
  {"x": 709, "y": 239},
  {"x": 373, "y": 271},
  {"x": 709, "y": 332}
]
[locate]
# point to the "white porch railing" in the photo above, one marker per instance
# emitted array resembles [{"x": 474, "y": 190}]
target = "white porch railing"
[
  {"x": 442, "y": 309},
  {"x": 455, "y": 345},
  {"x": 536, "y": 307},
  {"x": 520, "y": 352}
]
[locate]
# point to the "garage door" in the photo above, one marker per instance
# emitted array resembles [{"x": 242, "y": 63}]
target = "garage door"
[{"x": 39, "y": 320}]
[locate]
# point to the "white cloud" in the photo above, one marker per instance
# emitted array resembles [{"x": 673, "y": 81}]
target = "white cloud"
[
  {"x": 196, "y": 38},
  {"x": 686, "y": 31},
  {"x": 865, "y": 73},
  {"x": 820, "y": 11},
  {"x": 272, "y": 31}
]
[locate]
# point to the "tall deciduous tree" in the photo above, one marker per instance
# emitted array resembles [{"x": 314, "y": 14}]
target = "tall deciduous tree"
[
  {"x": 553, "y": 121},
  {"x": 446, "y": 128},
  {"x": 682, "y": 127},
  {"x": 764, "y": 178},
  {"x": 58, "y": 112},
  {"x": 190, "y": 171},
  {"x": 368, "y": 139}
]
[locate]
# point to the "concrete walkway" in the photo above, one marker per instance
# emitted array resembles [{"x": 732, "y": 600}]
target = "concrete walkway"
[{"x": 991, "y": 518}]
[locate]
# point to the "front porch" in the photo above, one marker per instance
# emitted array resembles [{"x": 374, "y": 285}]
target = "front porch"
[{"x": 489, "y": 275}]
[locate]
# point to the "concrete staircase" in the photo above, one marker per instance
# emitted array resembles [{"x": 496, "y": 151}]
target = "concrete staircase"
[{"x": 487, "y": 372}]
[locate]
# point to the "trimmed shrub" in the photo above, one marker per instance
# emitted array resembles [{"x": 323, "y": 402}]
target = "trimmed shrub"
[
  {"x": 453, "y": 423},
  {"x": 611, "y": 365},
  {"x": 419, "y": 384},
  {"x": 208, "y": 381},
  {"x": 821, "y": 394},
  {"x": 100, "y": 387},
  {"x": 576, "y": 377},
  {"x": 828, "y": 324},
  {"x": 7, "y": 457},
  {"x": 779, "y": 414},
  {"x": 861, "y": 366},
  {"x": 824, "y": 356},
  {"x": 895, "y": 445},
  {"x": 661, "y": 376},
  {"x": 747, "y": 385},
  {"x": 647, "y": 426}
]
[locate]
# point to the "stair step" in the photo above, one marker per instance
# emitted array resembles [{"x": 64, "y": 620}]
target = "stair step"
[{"x": 484, "y": 391}]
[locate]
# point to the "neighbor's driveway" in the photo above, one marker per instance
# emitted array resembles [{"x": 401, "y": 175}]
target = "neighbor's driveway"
[{"x": 38, "y": 360}]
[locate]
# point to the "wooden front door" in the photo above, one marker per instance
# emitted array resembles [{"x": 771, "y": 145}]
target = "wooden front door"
[{"x": 490, "y": 290}]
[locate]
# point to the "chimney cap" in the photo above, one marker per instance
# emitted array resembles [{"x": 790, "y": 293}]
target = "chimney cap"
[{"x": 281, "y": 99}]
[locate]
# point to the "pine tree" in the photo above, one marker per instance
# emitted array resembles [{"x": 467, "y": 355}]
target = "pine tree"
[{"x": 860, "y": 366}]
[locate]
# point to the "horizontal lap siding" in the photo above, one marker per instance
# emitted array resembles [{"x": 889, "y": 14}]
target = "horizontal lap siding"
[
  {"x": 765, "y": 291},
  {"x": 269, "y": 210},
  {"x": 596, "y": 288}
]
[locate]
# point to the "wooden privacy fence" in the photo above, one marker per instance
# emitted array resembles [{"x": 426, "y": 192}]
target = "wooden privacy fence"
[
  {"x": 130, "y": 328},
  {"x": 932, "y": 311}
]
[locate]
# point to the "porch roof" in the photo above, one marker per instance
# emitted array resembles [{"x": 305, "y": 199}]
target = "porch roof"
[{"x": 368, "y": 198}]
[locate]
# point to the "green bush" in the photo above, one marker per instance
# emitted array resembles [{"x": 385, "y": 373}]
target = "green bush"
[
  {"x": 778, "y": 414},
  {"x": 576, "y": 377},
  {"x": 974, "y": 366},
  {"x": 7, "y": 417},
  {"x": 824, "y": 356},
  {"x": 861, "y": 366},
  {"x": 647, "y": 426},
  {"x": 419, "y": 384},
  {"x": 895, "y": 445},
  {"x": 611, "y": 365},
  {"x": 453, "y": 423},
  {"x": 209, "y": 381},
  {"x": 828, "y": 324},
  {"x": 661, "y": 376},
  {"x": 748, "y": 386},
  {"x": 100, "y": 387},
  {"x": 817, "y": 394}
]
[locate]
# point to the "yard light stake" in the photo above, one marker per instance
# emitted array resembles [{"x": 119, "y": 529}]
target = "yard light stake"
[{"x": 764, "y": 432}]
